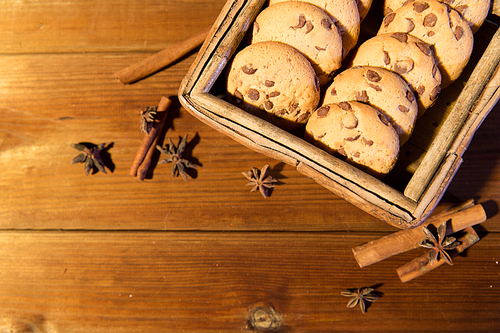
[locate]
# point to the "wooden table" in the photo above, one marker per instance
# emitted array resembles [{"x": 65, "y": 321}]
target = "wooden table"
[{"x": 109, "y": 253}]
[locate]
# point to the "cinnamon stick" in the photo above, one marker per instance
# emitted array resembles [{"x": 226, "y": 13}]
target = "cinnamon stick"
[
  {"x": 421, "y": 265},
  {"x": 408, "y": 239},
  {"x": 149, "y": 141},
  {"x": 144, "y": 167},
  {"x": 160, "y": 60}
]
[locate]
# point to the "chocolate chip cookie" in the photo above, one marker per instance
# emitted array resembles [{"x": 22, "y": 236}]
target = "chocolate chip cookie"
[
  {"x": 345, "y": 14},
  {"x": 307, "y": 28},
  {"x": 380, "y": 88},
  {"x": 438, "y": 25},
  {"x": 408, "y": 56},
  {"x": 473, "y": 11},
  {"x": 357, "y": 133},
  {"x": 274, "y": 81}
]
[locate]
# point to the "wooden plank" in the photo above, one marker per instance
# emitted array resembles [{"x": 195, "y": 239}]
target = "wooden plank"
[
  {"x": 44, "y": 110},
  {"x": 101, "y": 26},
  {"x": 211, "y": 282},
  {"x": 51, "y": 100}
]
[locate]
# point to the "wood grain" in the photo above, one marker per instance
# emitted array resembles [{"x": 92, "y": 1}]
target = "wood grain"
[
  {"x": 101, "y": 26},
  {"x": 109, "y": 253},
  {"x": 210, "y": 282}
]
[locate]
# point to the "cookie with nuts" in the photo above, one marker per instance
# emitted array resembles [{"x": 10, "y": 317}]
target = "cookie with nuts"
[
  {"x": 307, "y": 28},
  {"x": 357, "y": 133},
  {"x": 438, "y": 25},
  {"x": 274, "y": 81},
  {"x": 408, "y": 56},
  {"x": 380, "y": 88}
]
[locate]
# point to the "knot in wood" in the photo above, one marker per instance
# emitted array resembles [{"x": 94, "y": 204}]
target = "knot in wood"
[{"x": 264, "y": 319}]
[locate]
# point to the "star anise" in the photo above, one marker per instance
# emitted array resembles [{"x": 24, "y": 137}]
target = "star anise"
[
  {"x": 90, "y": 156},
  {"x": 174, "y": 155},
  {"x": 440, "y": 245},
  {"x": 360, "y": 296},
  {"x": 260, "y": 180},
  {"x": 148, "y": 116}
]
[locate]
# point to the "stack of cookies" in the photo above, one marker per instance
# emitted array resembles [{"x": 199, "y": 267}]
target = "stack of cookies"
[
  {"x": 368, "y": 110},
  {"x": 296, "y": 47}
]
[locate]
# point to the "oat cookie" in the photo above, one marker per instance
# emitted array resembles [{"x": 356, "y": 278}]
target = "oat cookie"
[
  {"x": 473, "y": 11},
  {"x": 380, "y": 88},
  {"x": 275, "y": 82},
  {"x": 357, "y": 132},
  {"x": 438, "y": 25},
  {"x": 344, "y": 13},
  {"x": 409, "y": 57},
  {"x": 306, "y": 27}
]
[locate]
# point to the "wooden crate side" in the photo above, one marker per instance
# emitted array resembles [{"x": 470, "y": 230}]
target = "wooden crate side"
[
  {"x": 455, "y": 121},
  {"x": 437, "y": 187},
  {"x": 488, "y": 99},
  {"x": 221, "y": 43},
  {"x": 364, "y": 200}
]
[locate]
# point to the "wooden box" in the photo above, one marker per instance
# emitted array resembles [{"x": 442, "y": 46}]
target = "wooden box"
[{"x": 427, "y": 162}]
